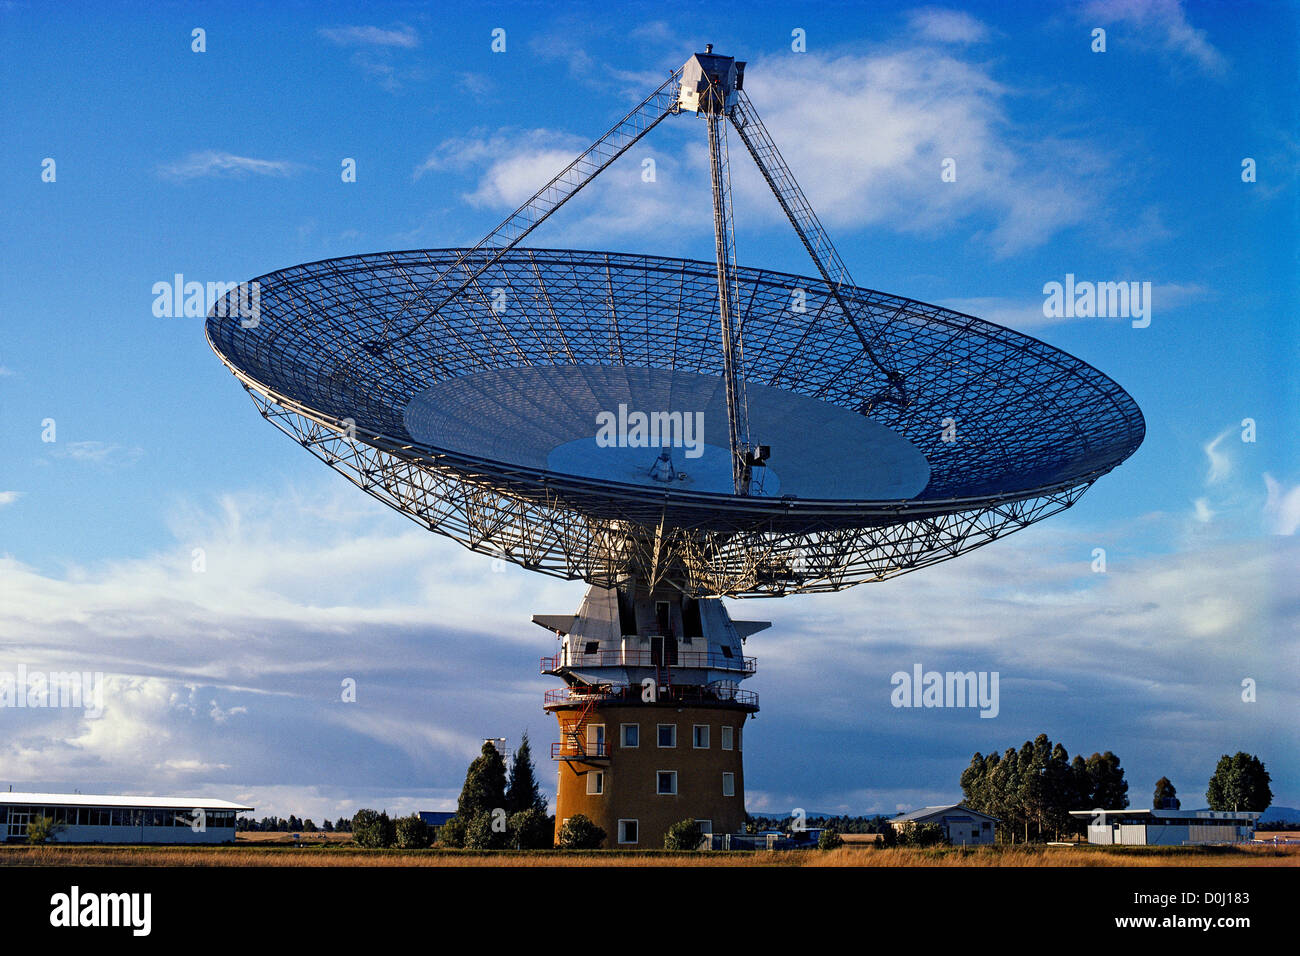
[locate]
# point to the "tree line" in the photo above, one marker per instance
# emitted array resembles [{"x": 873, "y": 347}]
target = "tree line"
[{"x": 1038, "y": 785}]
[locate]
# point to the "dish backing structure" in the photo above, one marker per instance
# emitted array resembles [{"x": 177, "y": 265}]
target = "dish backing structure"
[{"x": 672, "y": 432}]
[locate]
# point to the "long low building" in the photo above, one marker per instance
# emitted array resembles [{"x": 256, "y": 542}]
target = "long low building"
[
  {"x": 961, "y": 825},
  {"x": 1168, "y": 827},
  {"x": 101, "y": 818}
]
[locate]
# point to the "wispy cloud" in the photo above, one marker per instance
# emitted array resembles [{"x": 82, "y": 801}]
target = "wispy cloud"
[
  {"x": 947, "y": 26},
  {"x": 212, "y": 163},
  {"x": 381, "y": 53},
  {"x": 1282, "y": 508},
  {"x": 1162, "y": 23},
  {"x": 98, "y": 452},
  {"x": 475, "y": 84},
  {"x": 1026, "y": 314},
  {"x": 1220, "y": 463},
  {"x": 9, "y": 497},
  {"x": 866, "y": 135},
  {"x": 399, "y": 36}
]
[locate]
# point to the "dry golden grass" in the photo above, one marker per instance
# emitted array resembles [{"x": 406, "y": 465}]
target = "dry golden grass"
[
  {"x": 1081, "y": 855},
  {"x": 257, "y": 836},
  {"x": 270, "y": 854}
]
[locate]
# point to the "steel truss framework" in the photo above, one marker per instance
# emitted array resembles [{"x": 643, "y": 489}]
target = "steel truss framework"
[{"x": 1031, "y": 427}]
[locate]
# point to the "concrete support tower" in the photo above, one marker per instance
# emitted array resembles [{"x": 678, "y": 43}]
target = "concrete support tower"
[{"x": 651, "y": 715}]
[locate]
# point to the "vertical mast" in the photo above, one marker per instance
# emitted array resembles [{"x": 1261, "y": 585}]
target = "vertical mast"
[
  {"x": 709, "y": 86},
  {"x": 737, "y": 420}
]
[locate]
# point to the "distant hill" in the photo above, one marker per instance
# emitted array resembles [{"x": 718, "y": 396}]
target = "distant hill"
[{"x": 1280, "y": 815}]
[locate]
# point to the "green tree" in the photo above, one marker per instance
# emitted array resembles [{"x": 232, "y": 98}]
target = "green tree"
[
  {"x": 579, "y": 833},
  {"x": 523, "y": 794},
  {"x": 1060, "y": 793},
  {"x": 1240, "y": 782},
  {"x": 412, "y": 833},
  {"x": 531, "y": 829},
  {"x": 921, "y": 834},
  {"x": 683, "y": 835},
  {"x": 488, "y": 830},
  {"x": 485, "y": 784},
  {"x": 829, "y": 840},
  {"x": 41, "y": 830},
  {"x": 1106, "y": 776},
  {"x": 452, "y": 833},
  {"x": 1165, "y": 796},
  {"x": 372, "y": 829},
  {"x": 1005, "y": 787},
  {"x": 974, "y": 783}
]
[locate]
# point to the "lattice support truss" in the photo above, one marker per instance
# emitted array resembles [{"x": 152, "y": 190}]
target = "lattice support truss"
[{"x": 744, "y": 559}]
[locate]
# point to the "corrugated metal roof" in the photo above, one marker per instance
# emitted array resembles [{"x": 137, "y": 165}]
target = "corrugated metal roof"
[
  {"x": 926, "y": 812},
  {"x": 1192, "y": 816},
  {"x": 116, "y": 800}
]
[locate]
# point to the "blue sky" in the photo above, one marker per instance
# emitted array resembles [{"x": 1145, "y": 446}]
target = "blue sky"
[{"x": 225, "y": 164}]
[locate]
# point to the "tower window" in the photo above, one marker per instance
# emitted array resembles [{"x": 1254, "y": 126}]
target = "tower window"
[
  {"x": 700, "y": 737},
  {"x": 627, "y": 831},
  {"x": 595, "y": 783},
  {"x": 667, "y": 735},
  {"x": 667, "y": 782},
  {"x": 631, "y": 735},
  {"x": 727, "y": 735},
  {"x": 591, "y": 647},
  {"x": 728, "y": 784}
]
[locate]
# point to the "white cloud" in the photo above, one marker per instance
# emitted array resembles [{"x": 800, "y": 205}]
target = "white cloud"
[
  {"x": 97, "y": 452},
  {"x": 1203, "y": 512},
  {"x": 947, "y": 26},
  {"x": 9, "y": 497},
  {"x": 1162, "y": 23},
  {"x": 227, "y": 682},
  {"x": 213, "y": 163},
  {"x": 1026, "y": 314},
  {"x": 1220, "y": 462},
  {"x": 866, "y": 136},
  {"x": 508, "y": 166},
  {"x": 399, "y": 36},
  {"x": 229, "y": 679},
  {"x": 1282, "y": 509}
]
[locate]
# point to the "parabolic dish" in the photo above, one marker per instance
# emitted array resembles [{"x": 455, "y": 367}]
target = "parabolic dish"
[{"x": 481, "y": 421}]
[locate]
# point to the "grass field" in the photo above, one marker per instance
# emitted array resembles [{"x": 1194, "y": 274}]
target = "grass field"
[{"x": 266, "y": 852}]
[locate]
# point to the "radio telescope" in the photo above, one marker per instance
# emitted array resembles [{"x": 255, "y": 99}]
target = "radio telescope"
[{"x": 820, "y": 435}]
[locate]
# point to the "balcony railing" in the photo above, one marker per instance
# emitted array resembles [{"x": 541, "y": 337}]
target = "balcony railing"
[
  {"x": 567, "y": 749},
  {"x": 702, "y": 660},
  {"x": 685, "y": 694}
]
